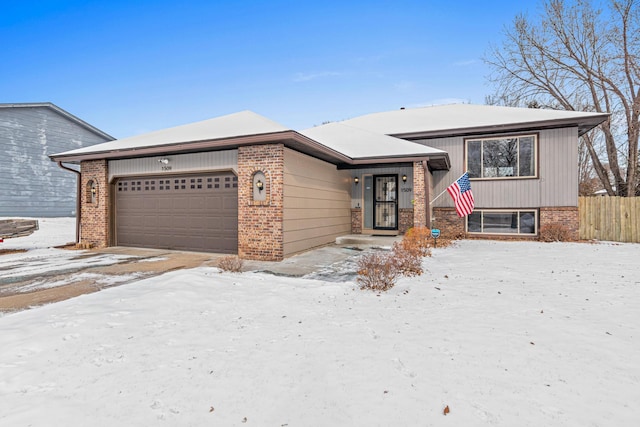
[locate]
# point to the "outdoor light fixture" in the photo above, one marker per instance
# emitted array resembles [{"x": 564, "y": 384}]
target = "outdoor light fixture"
[
  {"x": 356, "y": 180},
  {"x": 404, "y": 178},
  {"x": 163, "y": 161},
  {"x": 259, "y": 185}
]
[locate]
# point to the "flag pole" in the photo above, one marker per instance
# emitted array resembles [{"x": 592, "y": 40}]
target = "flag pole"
[
  {"x": 445, "y": 190},
  {"x": 438, "y": 196}
]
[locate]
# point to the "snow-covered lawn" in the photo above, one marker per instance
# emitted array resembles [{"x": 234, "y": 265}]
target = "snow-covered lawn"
[{"x": 503, "y": 333}]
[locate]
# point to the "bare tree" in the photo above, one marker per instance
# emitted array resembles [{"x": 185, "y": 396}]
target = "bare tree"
[{"x": 581, "y": 59}]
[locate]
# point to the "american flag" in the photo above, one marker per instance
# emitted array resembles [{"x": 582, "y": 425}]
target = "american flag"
[{"x": 460, "y": 192}]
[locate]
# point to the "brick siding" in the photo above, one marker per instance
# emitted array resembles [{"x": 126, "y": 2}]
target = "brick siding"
[
  {"x": 260, "y": 223},
  {"x": 356, "y": 221},
  {"x": 406, "y": 219},
  {"x": 94, "y": 218},
  {"x": 566, "y": 216},
  {"x": 451, "y": 226}
]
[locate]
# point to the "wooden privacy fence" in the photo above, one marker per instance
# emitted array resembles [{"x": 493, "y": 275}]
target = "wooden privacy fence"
[{"x": 614, "y": 219}]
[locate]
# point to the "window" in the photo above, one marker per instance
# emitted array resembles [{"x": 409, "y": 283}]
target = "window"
[
  {"x": 518, "y": 222},
  {"x": 506, "y": 157}
]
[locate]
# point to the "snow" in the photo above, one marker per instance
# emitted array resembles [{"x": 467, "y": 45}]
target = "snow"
[
  {"x": 503, "y": 333},
  {"x": 43, "y": 259},
  {"x": 51, "y": 232},
  {"x": 243, "y": 123},
  {"x": 453, "y": 118},
  {"x": 358, "y": 144}
]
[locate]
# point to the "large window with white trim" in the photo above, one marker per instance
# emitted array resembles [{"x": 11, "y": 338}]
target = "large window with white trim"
[
  {"x": 502, "y": 157},
  {"x": 498, "y": 221}
]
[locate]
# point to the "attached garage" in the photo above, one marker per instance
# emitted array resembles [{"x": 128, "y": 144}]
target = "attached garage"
[{"x": 194, "y": 212}]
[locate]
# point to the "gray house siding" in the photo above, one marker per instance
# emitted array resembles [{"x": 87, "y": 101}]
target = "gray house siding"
[
  {"x": 405, "y": 194},
  {"x": 31, "y": 185},
  {"x": 556, "y": 185}
]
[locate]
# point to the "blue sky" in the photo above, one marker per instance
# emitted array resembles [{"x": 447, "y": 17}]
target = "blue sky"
[{"x": 129, "y": 67}]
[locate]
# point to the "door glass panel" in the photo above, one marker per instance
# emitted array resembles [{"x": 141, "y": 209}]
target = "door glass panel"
[{"x": 385, "y": 203}]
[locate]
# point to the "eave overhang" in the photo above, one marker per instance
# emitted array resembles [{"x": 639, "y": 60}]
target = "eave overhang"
[
  {"x": 290, "y": 139},
  {"x": 584, "y": 125}
]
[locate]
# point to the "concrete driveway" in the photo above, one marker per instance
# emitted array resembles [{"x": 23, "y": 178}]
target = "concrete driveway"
[{"x": 48, "y": 275}]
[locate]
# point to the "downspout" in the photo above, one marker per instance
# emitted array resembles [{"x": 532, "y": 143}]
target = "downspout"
[
  {"x": 78, "y": 198},
  {"x": 427, "y": 196}
]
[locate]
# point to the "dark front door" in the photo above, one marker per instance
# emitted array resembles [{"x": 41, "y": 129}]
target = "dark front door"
[{"x": 385, "y": 213}]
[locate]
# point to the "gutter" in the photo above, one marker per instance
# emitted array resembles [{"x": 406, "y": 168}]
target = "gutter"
[{"x": 78, "y": 198}]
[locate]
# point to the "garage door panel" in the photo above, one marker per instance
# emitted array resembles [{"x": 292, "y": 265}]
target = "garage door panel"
[{"x": 184, "y": 212}]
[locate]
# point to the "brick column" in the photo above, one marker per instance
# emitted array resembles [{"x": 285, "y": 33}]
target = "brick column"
[
  {"x": 419, "y": 196},
  {"x": 260, "y": 222},
  {"x": 94, "y": 218}
]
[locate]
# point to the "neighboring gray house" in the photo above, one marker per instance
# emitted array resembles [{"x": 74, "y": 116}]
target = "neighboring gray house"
[{"x": 30, "y": 184}]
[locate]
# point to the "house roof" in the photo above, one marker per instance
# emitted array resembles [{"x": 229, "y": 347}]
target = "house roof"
[
  {"x": 246, "y": 128},
  {"x": 63, "y": 113},
  {"x": 244, "y": 123},
  {"x": 373, "y": 138},
  {"x": 459, "y": 119},
  {"x": 362, "y": 145}
]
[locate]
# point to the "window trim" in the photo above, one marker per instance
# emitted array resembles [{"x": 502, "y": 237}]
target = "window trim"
[
  {"x": 536, "y": 150},
  {"x": 536, "y": 213}
]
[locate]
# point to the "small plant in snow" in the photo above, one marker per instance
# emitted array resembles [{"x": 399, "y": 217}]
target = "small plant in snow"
[
  {"x": 555, "y": 233},
  {"x": 379, "y": 271},
  {"x": 407, "y": 261},
  {"x": 230, "y": 263}
]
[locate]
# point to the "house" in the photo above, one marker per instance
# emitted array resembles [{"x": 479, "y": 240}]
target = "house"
[
  {"x": 244, "y": 184},
  {"x": 32, "y": 186}
]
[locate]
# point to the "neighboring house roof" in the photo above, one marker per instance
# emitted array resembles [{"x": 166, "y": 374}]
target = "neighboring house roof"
[
  {"x": 456, "y": 119},
  {"x": 62, "y": 113}
]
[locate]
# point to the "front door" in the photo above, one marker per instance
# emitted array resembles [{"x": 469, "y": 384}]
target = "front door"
[{"x": 385, "y": 203}]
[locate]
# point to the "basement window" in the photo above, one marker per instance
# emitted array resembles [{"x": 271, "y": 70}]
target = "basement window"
[{"x": 510, "y": 222}]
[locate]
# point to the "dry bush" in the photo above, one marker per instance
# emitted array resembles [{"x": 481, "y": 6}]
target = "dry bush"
[
  {"x": 230, "y": 263},
  {"x": 421, "y": 237},
  {"x": 444, "y": 242},
  {"x": 377, "y": 271},
  {"x": 408, "y": 258},
  {"x": 418, "y": 240},
  {"x": 555, "y": 233}
]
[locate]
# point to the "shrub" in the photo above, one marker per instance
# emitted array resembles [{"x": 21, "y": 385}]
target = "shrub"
[
  {"x": 377, "y": 271},
  {"x": 418, "y": 240},
  {"x": 408, "y": 258},
  {"x": 555, "y": 233},
  {"x": 230, "y": 263}
]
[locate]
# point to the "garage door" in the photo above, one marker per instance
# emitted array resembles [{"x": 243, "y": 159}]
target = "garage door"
[{"x": 190, "y": 212}]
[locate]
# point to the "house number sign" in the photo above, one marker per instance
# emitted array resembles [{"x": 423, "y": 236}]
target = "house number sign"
[{"x": 406, "y": 190}]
